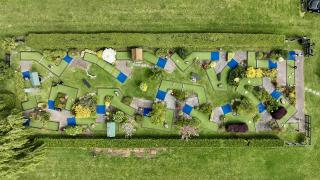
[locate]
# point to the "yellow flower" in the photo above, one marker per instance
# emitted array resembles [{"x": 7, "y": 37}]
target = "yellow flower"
[{"x": 82, "y": 112}]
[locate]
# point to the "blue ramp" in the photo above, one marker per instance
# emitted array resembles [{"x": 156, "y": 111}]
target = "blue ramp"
[
  {"x": 67, "y": 59},
  {"x": 161, "y": 63},
  {"x": 122, "y": 77},
  {"x": 146, "y": 111},
  {"x": 292, "y": 56},
  {"x": 276, "y": 94},
  {"x": 232, "y": 64},
  {"x": 226, "y": 108},
  {"x": 187, "y": 109},
  {"x": 71, "y": 121},
  {"x": 26, "y": 74},
  {"x": 101, "y": 109},
  {"x": 261, "y": 107},
  {"x": 215, "y": 56},
  {"x": 161, "y": 95},
  {"x": 272, "y": 65},
  {"x": 51, "y": 104}
]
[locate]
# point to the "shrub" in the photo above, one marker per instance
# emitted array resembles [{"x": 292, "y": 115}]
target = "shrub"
[
  {"x": 119, "y": 117},
  {"x": 182, "y": 52},
  {"x": 279, "y": 113},
  {"x": 127, "y": 100},
  {"x": 179, "y": 94},
  {"x": 138, "y": 118},
  {"x": 277, "y": 53},
  {"x": 156, "y": 73},
  {"x": 128, "y": 129},
  {"x": 143, "y": 86},
  {"x": 260, "y": 55},
  {"x": 182, "y": 121},
  {"x": 239, "y": 72},
  {"x": 254, "y": 72},
  {"x": 8, "y": 44},
  {"x": 60, "y": 101},
  {"x": 87, "y": 101},
  {"x": 300, "y": 138},
  {"x": 206, "y": 107},
  {"x": 187, "y": 132},
  {"x": 82, "y": 112},
  {"x": 271, "y": 104},
  {"x": 74, "y": 130},
  {"x": 236, "y": 127},
  {"x": 158, "y": 113}
]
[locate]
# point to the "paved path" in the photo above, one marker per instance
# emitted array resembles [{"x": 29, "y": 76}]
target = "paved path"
[
  {"x": 140, "y": 103},
  {"x": 282, "y": 73},
  {"x": 267, "y": 85},
  {"x": 122, "y": 65},
  {"x": 25, "y": 65},
  {"x": 221, "y": 63},
  {"x": 60, "y": 117},
  {"x": 299, "y": 82},
  {"x": 215, "y": 115}
]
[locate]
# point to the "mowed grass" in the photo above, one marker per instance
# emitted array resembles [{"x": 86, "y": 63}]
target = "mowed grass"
[
  {"x": 22, "y": 16},
  {"x": 181, "y": 163}
]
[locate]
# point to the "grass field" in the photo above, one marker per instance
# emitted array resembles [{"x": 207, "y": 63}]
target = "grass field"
[{"x": 246, "y": 16}]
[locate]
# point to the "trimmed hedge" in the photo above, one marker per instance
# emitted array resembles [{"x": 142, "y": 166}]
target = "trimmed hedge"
[
  {"x": 146, "y": 143},
  {"x": 202, "y": 41}
]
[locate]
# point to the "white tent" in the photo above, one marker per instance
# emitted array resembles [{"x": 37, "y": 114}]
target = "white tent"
[{"x": 109, "y": 55}]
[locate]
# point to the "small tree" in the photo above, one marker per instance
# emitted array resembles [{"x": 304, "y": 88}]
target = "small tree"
[
  {"x": 119, "y": 117},
  {"x": 187, "y": 132},
  {"x": 128, "y": 129},
  {"x": 158, "y": 113},
  {"x": 143, "y": 86}
]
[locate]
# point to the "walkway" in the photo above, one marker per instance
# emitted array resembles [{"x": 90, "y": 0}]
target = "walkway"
[
  {"x": 282, "y": 73},
  {"x": 299, "y": 82}
]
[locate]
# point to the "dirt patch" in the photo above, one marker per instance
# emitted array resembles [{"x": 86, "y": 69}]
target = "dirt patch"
[{"x": 128, "y": 152}]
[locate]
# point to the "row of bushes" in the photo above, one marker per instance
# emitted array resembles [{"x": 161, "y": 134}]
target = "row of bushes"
[
  {"x": 145, "y": 143},
  {"x": 201, "y": 41}
]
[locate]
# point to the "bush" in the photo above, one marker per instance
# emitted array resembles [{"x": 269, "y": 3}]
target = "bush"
[
  {"x": 182, "y": 121},
  {"x": 206, "y": 108},
  {"x": 182, "y": 52},
  {"x": 127, "y": 100},
  {"x": 158, "y": 113},
  {"x": 87, "y": 101},
  {"x": 179, "y": 94},
  {"x": 138, "y": 118},
  {"x": 238, "y": 72},
  {"x": 236, "y": 127},
  {"x": 203, "y": 41},
  {"x": 300, "y": 138},
  {"x": 277, "y": 53},
  {"x": 119, "y": 117},
  {"x": 74, "y": 130}
]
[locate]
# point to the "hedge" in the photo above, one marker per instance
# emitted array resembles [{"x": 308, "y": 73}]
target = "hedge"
[
  {"x": 147, "y": 143},
  {"x": 200, "y": 41}
]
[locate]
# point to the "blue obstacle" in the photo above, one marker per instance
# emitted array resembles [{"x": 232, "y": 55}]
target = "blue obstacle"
[
  {"x": 226, "y": 108},
  {"x": 272, "y": 65},
  {"x": 276, "y": 94},
  {"x": 232, "y": 64},
  {"x": 161, "y": 95},
  {"x": 261, "y": 107},
  {"x": 26, "y": 74},
  {"x": 101, "y": 109},
  {"x": 71, "y": 121},
  {"x": 146, "y": 111},
  {"x": 161, "y": 62},
  {"x": 292, "y": 55},
  {"x": 51, "y": 104},
  {"x": 187, "y": 109},
  {"x": 67, "y": 59},
  {"x": 122, "y": 77},
  {"x": 215, "y": 56}
]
